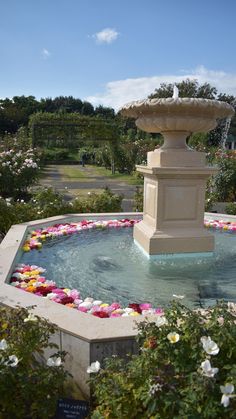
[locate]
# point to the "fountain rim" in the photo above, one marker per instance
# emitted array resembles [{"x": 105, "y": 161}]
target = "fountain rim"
[
  {"x": 178, "y": 106},
  {"x": 88, "y": 328}
]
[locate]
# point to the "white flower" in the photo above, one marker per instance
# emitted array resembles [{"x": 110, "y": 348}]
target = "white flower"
[
  {"x": 12, "y": 361},
  {"x": 154, "y": 388},
  {"x": 94, "y": 367},
  {"x": 88, "y": 300},
  {"x": 97, "y": 302},
  {"x": 173, "y": 337},
  {"x": 209, "y": 345},
  {"x": 227, "y": 391},
  {"x": 161, "y": 321},
  {"x": 51, "y": 295},
  {"x": 128, "y": 310},
  {"x": 3, "y": 344},
  {"x": 31, "y": 318},
  {"x": 86, "y": 304},
  {"x": 207, "y": 370},
  {"x": 180, "y": 297},
  {"x": 54, "y": 362}
]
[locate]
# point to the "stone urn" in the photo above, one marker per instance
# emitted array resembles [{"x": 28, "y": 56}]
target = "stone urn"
[{"x": 175, "y": 176}]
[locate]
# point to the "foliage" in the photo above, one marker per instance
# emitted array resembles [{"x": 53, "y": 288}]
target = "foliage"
[
  {"x": 225, "y": 179},
  {"x": 15, "y": 112},
  {"x": 231, "y": 208},
  {"x": 192, "y": 88},
  {"x": 55, "y": 154},
  {"x": 198, "y": 141},
  {"x": 171, "y": 377},
  {"x": 18, "y": 170},
  {"x": 187, "y": 88},
  {"x": 138, "y": 199},
  {"x": 29, "y": 386},
  {"x": 69, "y": 129},
  {"x": 47, "y": 203},
  {"x": 18, "y": 141},
  {"x": 126, "y": 153}
]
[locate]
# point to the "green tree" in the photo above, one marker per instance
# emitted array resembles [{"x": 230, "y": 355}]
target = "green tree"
[
  {"x": 192, "y": 88},
  {"x": 187, "y": 88}
]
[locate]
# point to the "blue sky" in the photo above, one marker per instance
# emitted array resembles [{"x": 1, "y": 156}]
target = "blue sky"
[{"x": 110, "y": 52}]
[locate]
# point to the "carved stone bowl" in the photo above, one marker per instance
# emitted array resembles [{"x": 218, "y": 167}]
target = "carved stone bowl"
[{"x": 180, "y": 114}]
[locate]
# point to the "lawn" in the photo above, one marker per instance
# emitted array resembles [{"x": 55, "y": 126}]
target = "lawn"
[{"x": 87, "y": 173}]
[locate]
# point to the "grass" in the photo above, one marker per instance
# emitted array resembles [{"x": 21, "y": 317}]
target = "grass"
[
  {"x": 72, "y": 173},
  {"x": 87, "y": 174}
]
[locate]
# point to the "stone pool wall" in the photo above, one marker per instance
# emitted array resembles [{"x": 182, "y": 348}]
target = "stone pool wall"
[{"x": 86, "y": 338}]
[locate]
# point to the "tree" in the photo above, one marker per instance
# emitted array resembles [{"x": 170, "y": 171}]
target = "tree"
[
  {"x": 192, "y": 88},
  {"x": 15, "y": 112},
  {"x": 87, "y": 109},
  {"x": 105, "y": 112},
  {"x": 187, "y": 88}
]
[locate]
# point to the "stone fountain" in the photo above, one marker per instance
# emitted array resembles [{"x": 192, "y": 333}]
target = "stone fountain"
[{"x": 175, "y": 176}]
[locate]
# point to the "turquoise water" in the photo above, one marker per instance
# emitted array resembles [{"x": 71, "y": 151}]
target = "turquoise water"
[{"x": 107, "y": 265}]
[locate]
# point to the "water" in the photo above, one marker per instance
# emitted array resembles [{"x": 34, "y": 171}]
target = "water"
[
  {"x": 225, "y": 133},
  {"x": 107, "y": 265}
]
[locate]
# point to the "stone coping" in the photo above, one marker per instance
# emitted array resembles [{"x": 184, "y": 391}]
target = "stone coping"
[
  {"x": 85, "y": 326},
  {"x": 183, "y": 106}
]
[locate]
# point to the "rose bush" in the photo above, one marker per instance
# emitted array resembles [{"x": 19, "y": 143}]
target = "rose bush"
[
  {"x": 47, "y": 203},
  {"x": 18, "y": 170},
  {"x": 186, "y": 368},
  {"x": 30, "y": 384}
]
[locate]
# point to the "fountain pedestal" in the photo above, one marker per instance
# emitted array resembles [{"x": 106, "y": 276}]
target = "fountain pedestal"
[
  {"x": 174, "y": 201},
  {"x": 175, "y": 176}
]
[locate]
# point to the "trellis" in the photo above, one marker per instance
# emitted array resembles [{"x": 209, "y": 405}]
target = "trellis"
[
  {"x": 42, "y": 130},
  {"x": 89, "y": 128}
]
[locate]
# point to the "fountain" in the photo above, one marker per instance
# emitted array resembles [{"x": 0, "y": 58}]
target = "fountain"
[{"x": 175, "y": 176}]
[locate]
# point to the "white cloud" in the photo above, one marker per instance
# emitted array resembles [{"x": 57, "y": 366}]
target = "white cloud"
[
  {"x": 45, "y": 53},
  {"x": 119, "y": 92},
  {"x": 106, "y": 36}
]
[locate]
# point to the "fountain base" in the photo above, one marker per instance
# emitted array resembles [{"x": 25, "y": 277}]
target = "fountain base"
[
  {"x": 174, "y": 199},
  {"x": 173, "y": 241}
]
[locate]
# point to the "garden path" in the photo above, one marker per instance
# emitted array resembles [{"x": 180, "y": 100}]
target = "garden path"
[{"x": 88, "y": 180}]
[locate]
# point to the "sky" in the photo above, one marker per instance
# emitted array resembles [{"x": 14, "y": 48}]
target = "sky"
[{"x": 111, "y": 52}]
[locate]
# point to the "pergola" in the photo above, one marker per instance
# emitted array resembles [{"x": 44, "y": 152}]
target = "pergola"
[{"x": 68, "y": 130}]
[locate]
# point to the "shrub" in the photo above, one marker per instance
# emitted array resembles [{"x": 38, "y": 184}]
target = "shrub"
[
  {"x": 18, "y": 171},
  {"x": 47, "y": 203},
  {"x": 138, "y": 199},
  {"x": 55, "y": 154},
  {"x": 186, "y": 369},
  {"x": 225, "y": 179},
  {"x": 29, "y": 385},
  {"x": 231, "y": 208}
]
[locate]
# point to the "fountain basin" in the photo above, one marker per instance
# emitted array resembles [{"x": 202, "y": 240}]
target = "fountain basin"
[
  {"x": 177, "y": 114},
  {"x": 85, "y": 337}
]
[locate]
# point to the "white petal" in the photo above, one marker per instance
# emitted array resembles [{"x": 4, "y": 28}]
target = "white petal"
[
  {"x": 13, "y": 361},
  {"x": 225, "y": 400},
  {"x": 50, "y": 362},
  {"x": 94, "y": 367},
  {"x": 58, "y": 362},
  {"x": 227, "y": 389},
  {"x": 206, "y": 365},
  {"x": 3, "y": 344}
]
